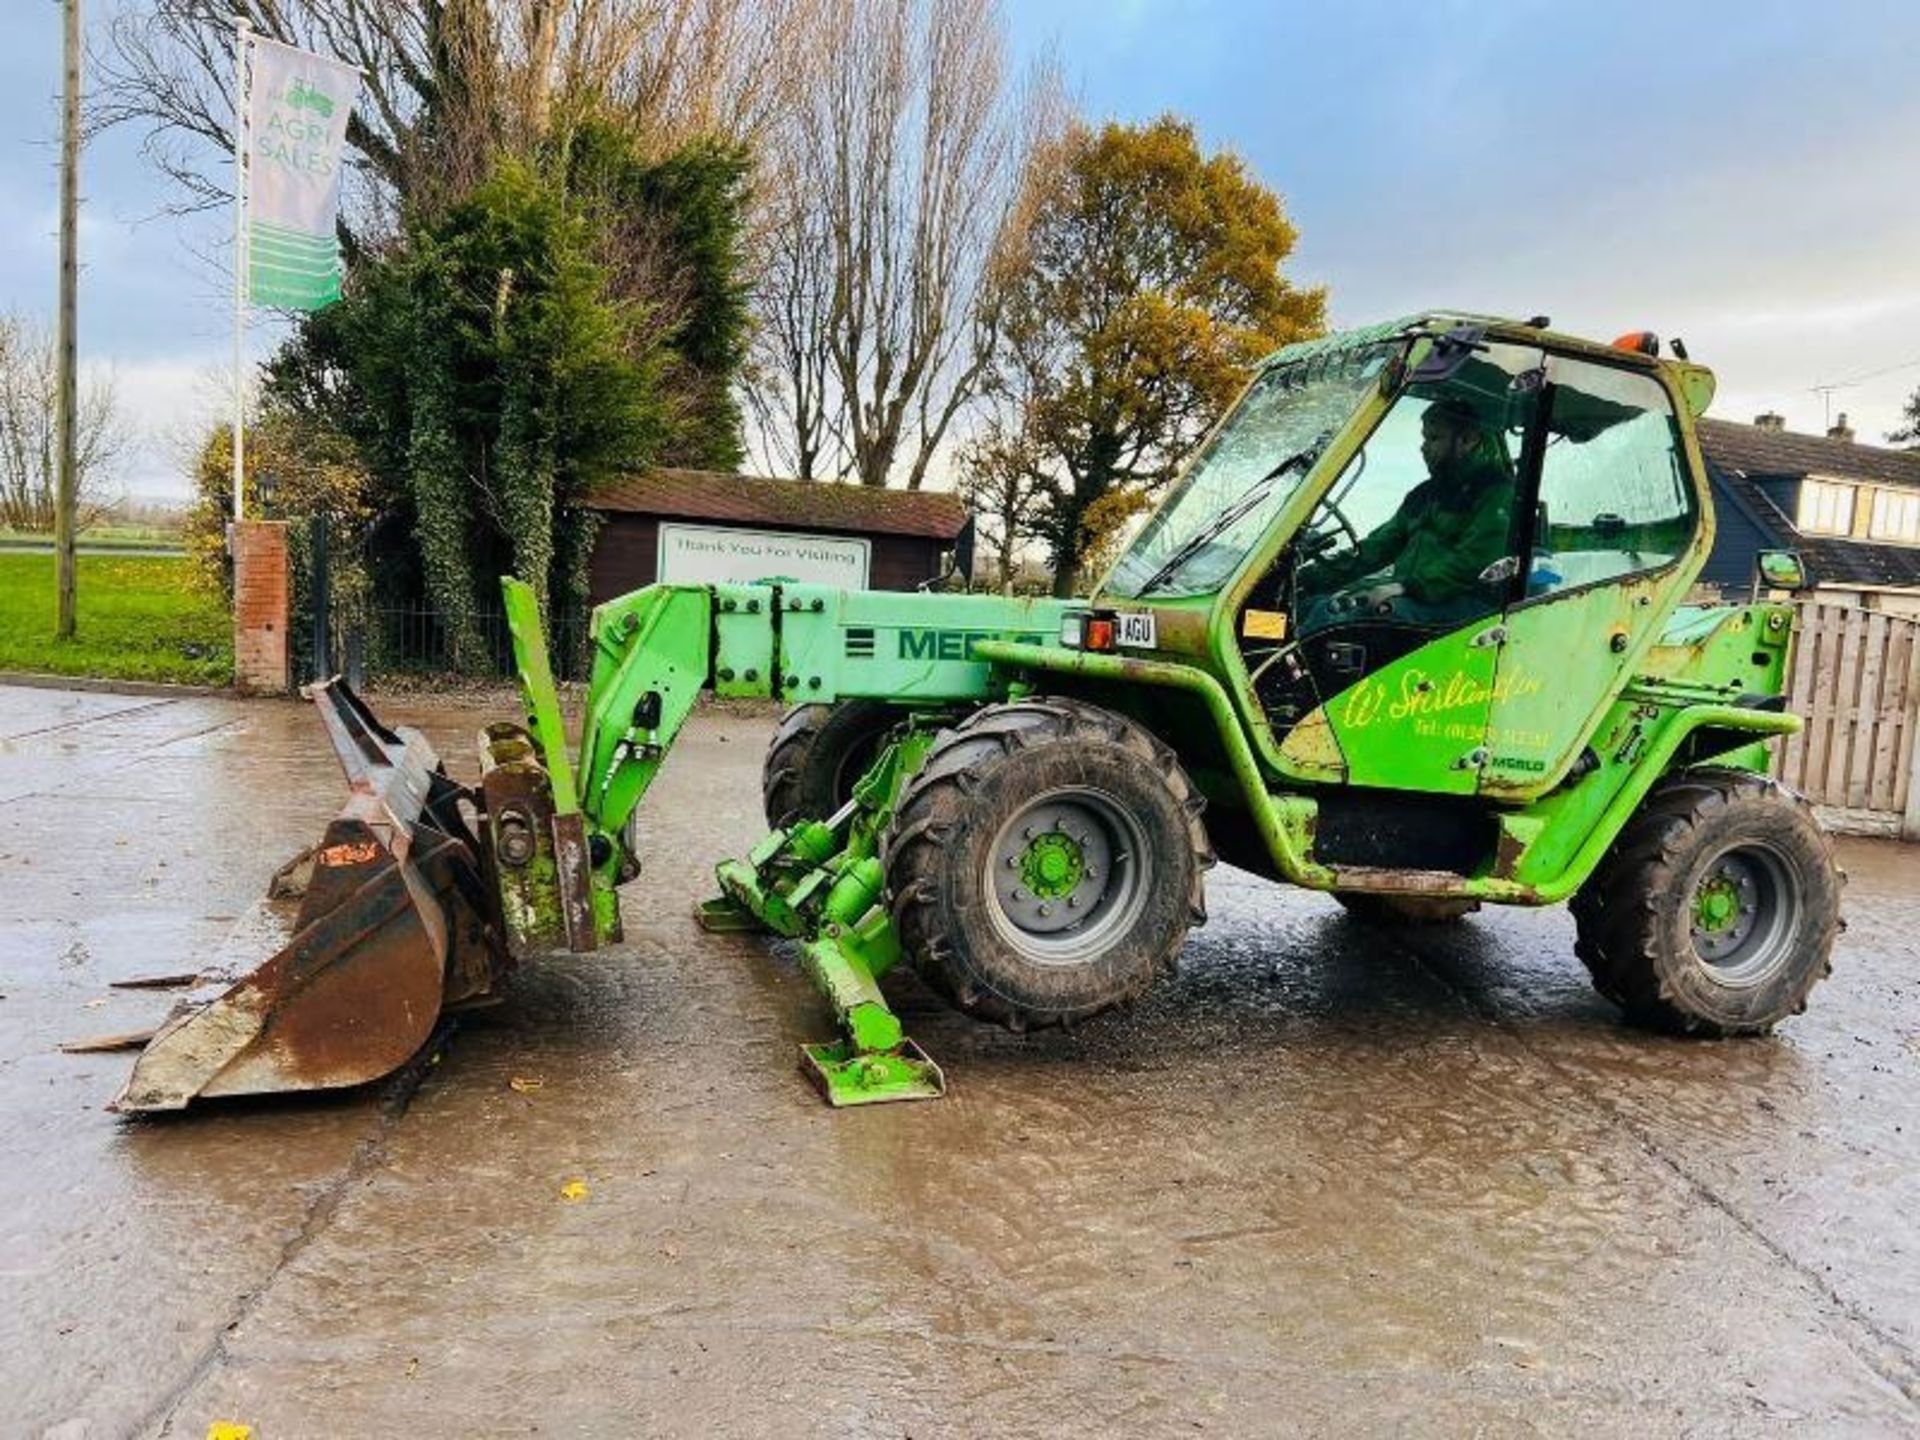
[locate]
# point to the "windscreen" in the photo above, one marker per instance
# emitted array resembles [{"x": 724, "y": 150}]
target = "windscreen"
[{"x": 1247, "y": 470}]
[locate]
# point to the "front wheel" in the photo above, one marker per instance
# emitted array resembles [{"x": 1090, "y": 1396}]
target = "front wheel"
[
  {"x": 1045, "y": 862},
  {"x": 817, "y": 755},
  {"x": 1716, "y": 910}
]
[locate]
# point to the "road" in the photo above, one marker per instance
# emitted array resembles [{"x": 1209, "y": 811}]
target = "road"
[{"x": 1319, "y": 1182}]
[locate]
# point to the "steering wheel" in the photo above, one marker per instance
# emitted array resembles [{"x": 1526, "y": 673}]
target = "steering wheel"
[
  {"x": 1344, "y": 525},
  {"x": 1316, "y": 542}
]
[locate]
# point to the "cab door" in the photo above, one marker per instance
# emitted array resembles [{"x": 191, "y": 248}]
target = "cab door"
[
  {"x": 1613, "y": 514},
  {"x": 1402, "y": 684}
]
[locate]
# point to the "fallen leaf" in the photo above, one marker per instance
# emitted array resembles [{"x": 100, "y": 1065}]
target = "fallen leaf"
[
  {"x": 229, "y": 1430},
  {"x": 574, "y": 1190},
  {"x": 99, "y": 1043},
  {"x": 524, "y": 1084},
  {"x": 413, "y": 1366}
]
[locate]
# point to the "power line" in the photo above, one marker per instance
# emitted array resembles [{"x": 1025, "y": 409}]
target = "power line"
[
  {"x": 1862, "y": 379},
  {"x": 1825, "y": 392}
]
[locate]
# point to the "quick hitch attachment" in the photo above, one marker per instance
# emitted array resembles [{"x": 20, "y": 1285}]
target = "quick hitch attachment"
[{"x": 821, "y": 882}]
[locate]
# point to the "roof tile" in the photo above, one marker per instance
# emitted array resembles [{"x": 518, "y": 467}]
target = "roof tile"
[{"x": 1735, "y": 446}]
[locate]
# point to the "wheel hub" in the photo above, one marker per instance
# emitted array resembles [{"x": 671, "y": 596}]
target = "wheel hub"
[
  {"x": 1742, "y": 914},
  {"x": 1066, "y": 871},
  {"x": 1717, "y": 905},
  {"x": 1053, "y": 865}
]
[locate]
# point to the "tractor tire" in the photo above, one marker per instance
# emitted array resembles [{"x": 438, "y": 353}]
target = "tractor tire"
[
  {"x": 1391, "y": 911},
  {"x": 1045, "y": 863},
  {"x": 818, "y": 753},
  {"x": 1716, "y": 910}
]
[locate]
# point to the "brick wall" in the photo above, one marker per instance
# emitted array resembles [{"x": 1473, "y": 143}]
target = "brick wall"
[{"x": 262, "y": 603}]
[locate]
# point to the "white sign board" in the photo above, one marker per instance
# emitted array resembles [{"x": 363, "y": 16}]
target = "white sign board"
[{"x": 703, "y": 554}]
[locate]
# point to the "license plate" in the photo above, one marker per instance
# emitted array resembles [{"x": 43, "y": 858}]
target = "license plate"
[{"x": 1135, "y": 630}]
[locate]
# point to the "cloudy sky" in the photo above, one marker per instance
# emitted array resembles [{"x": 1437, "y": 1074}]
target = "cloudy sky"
[{"x": 1740, "y": 173}]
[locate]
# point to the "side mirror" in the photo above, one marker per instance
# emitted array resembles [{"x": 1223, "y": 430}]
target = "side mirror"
[
  {"x": 1781, "y": 570},
  {"x": 1501, "y": 570}
]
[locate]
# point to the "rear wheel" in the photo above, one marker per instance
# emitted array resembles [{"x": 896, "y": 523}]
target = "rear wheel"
[
  {"x": 1395, "y": 910},
  {"x": 818, "y": 753},
  {"x": 1716, "y": 910},
  {"x": 1045, "y": 863}
]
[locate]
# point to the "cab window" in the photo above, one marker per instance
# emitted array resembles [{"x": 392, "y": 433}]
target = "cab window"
[
  {"x": 1417, "y": 530},
  {"x": 1614, "y": 497}
]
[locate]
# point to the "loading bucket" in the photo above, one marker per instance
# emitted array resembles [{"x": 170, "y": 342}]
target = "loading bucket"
[{"x": 395, "y": 924}]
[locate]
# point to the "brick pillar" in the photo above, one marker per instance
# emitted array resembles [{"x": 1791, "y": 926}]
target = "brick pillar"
[{"x": 262, "y": 607}]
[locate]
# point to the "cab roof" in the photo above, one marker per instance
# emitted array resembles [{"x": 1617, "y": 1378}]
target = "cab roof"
[{"x": 1696, "y": 382}]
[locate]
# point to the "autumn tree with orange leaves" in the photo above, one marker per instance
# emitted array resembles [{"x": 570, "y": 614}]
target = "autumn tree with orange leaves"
[{"x": 1143, "y": 284}]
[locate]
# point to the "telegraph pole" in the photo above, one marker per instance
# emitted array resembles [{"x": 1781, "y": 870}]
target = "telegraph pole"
[{"x": 67, "y": 403}]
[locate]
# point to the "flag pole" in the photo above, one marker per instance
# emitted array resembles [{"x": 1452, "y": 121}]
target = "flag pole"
[
  {"x": 242, "y": 143},
  {"x": 66, "y": 401}
]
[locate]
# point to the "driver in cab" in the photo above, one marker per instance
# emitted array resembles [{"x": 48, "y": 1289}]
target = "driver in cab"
[{"x": 1425, "y": 563}]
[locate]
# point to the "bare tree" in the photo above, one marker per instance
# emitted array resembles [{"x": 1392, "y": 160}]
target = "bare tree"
[
  {"x": 789, "y": 389},
  {"x": 447, "y": 84},
  {"x": 886, "y": 194},
  {"x": 890, "y": 138},
  {"x": 1001, "y": 481},
  {"x": 28, "y": 449}
]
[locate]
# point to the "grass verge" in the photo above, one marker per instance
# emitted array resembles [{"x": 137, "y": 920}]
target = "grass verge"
[{"x": 139, "y": 618}]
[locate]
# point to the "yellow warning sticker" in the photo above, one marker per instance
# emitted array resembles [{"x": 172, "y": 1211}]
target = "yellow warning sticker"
[{"x": 1263, "y": 625}]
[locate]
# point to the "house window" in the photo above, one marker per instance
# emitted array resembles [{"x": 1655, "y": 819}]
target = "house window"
[
  {"x": 1896, "y": 516},
  {"x": 1825, "y": 508}
]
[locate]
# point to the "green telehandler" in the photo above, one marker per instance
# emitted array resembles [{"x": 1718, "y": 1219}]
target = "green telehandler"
[{"x": 1409, "y": 629}]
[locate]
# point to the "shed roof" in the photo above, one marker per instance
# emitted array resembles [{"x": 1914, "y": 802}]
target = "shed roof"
[{"x": 790, "y": 504}]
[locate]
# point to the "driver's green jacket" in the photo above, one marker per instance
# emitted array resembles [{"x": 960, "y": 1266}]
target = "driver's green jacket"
[{"x": 1440, "y": 539}]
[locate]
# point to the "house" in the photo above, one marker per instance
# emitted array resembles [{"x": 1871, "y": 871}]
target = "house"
[
  {"x": 700, "y": 526},
  {"x": 1851, "y": 510}
]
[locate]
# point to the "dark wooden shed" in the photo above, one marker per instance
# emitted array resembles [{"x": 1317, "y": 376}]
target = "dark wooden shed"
[{"x": 903, "y": 533}]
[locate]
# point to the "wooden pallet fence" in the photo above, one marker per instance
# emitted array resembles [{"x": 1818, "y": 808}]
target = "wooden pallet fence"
[{"x": 1855, "y": 676}]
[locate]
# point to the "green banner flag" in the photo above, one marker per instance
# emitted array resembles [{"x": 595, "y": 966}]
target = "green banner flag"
[{"x": 297, "y": 111}]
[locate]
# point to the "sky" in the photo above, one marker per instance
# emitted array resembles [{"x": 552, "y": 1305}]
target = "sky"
[{"x": 1740, "y": 173}]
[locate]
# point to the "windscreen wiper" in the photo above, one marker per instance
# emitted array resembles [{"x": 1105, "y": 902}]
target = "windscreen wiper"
[{"x": 1227, "y": 518}]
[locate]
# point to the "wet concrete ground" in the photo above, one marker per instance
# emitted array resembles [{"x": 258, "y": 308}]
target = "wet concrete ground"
[{"x": 1320, "y": 1182}]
